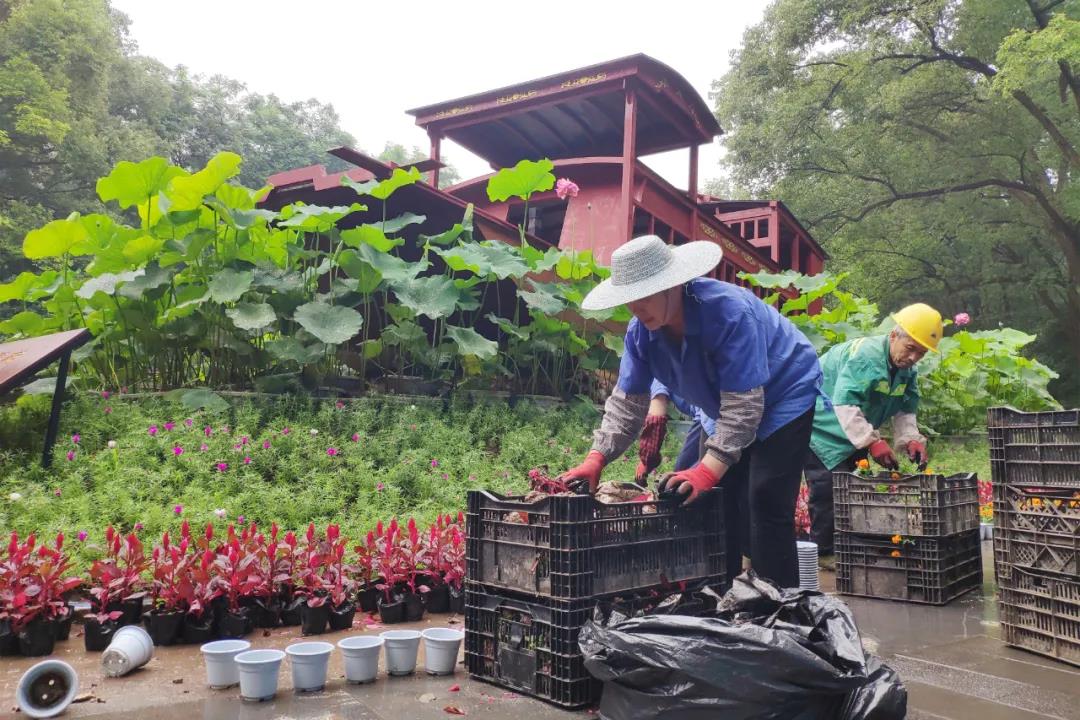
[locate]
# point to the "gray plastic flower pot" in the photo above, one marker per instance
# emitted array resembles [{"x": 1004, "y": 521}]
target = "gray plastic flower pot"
[{"x": 361, "y": 654}]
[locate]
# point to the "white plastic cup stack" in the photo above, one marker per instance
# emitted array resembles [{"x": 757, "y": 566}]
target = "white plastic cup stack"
[{"x": 808, "y": 565}]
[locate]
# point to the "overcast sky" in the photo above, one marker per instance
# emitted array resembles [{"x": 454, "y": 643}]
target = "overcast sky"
[{"x": 374, "y": 60}]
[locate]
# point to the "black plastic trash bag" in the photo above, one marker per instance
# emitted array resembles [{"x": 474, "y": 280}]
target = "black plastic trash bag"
[{"x": 762, "y": 653}]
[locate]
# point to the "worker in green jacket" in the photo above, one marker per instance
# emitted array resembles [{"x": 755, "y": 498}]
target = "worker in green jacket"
[{"x": 869, "y": 380}]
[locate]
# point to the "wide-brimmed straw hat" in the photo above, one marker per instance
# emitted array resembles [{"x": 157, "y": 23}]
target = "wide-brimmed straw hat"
[{"x": 647, "y": 265}]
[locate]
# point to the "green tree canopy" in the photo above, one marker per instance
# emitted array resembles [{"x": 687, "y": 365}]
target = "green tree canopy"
[{"x": 929, "y": 145}]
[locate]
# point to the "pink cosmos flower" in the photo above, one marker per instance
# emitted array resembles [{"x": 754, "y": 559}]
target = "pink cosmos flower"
[
  {"x": 208, "y": 431},
  {"x": 222, "y": 466},
  {"x": 178, "y": 451},
  {"x": 70, "y": 455},
  {"x": 76, "y": 438},
  {"x": 434, "y": 463},
  {"x": 57, "y": 492},
  {"x": 203, "y": 447},
  {"x": 565, "y": 188},
  {"x": 266, "y": 444},
  {"x": 247, "y": 460},
  {"x": 285, "y": 431},
  {"x": 379, "y": 487},
  {"x": 82, "y": 535},
  {"x": 138, "y": 526},
  {"x": 108, "y": 410},
  {"x": 356, "y": 437},
  {"x": 153, "y": 430},
  {"x": 105, "y": 394},
  {"x": 178, "y": 509},
  {"x": 189, "y": 422},
  {"x": 332, "y": 452},
  {"x": 339, "y": 404},
  {"x": 170, "y": 425}
]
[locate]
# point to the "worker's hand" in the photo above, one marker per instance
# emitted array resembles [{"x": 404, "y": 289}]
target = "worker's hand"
[
  {"x": 883, "y": 455},
  {"x": 916, "y": 451},
  {"x": 587, "y": 472},
  {"x": 691, "y": 482},
  {"x": 652, "y": 437}
]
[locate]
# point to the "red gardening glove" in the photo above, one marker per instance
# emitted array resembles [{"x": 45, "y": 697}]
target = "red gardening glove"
[
  {"x": 652, "y": 437},
  {"x": 691, "y": 482},
  {"x": 588, "y": 471},
  {"x": 883, "y": 455},
  {"x": 916, "y": 451}
]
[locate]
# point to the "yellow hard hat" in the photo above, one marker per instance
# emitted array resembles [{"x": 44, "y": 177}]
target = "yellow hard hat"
[{"x": 922, "y": 323}]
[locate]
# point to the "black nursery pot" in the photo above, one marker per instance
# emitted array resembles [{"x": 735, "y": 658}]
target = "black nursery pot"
[
  {"x": 234, "y": 624},
  {"x": 437, "y": 600},
  {"x": 37, "y": 638},
  {"x": 313, "y": 620},
  {"x": 62, "y": 625},
  {"x": 131, "y": 608},
  {"x": 391, "y": 612},
  {"x": 98, "y": 635},
  {"x": 163, "y": 626},
  {"x": 290, "y": 612},
  {"x": 457, "y": 599},
  {"x": 341, "y": 617},
  {"x": 197, "y": 630},
  {"x": 414, "y": 607},
  {"x": 9, "y": 639},
  {"x": 267, "y": 613},
  {"x": 369, "y": 598}
]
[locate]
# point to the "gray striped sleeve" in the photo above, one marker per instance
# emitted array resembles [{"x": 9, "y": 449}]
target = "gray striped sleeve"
[
  {"x": 737, "y": 426},
  {"x": 624, "y": 416}
]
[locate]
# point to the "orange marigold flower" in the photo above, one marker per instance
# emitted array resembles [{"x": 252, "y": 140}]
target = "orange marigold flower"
[
  {"x": 895, "y": 476},
  {"x": 896, "y": 539},
  {"x": 895, "y": 553},
  {"x": 863, "y": 464}
]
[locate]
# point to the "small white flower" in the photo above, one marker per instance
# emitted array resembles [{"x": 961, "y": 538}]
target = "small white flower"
[
  {"x": 314, "y": 432},
  {"x": 412, "y": 407},
  {"x": 14, "y": 497},
  {"x": 220, "y": 512},
  {"x": 112, "y": 444}
]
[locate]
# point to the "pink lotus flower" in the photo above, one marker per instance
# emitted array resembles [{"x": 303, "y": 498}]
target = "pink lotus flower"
[
  {"x": 82, "y": 535},
  {"x": 356, "y": 437},
  {"x": 70, "y": 455},
  {"x": 332, "y": 452},
  {"x": 565, "y": 188},
  {"x": 962, "y": 319},
  {"x": 266, "y": 444},
  {"x": 222, "y": 466},
  {"x": 203, "y": 447},
  {"x": 247, "y": 460},
  {"x": 177, "y": 451},
  {"x": 170, "y": 425},
  {"x": 76, "y": 438},
  {"x": 178, "y": 509},
  {"x": 379, "y": 487},
  {"x": 153, "y": 430}
]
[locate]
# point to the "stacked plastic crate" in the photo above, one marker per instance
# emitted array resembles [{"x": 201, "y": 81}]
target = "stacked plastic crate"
[
  {"x": 536, "y": 571},
  {"x": 1035, "y": 464},
  {"x": 913, "y": 538}
]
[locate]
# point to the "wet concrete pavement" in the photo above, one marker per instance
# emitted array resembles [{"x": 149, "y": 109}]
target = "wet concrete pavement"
[{"x": 950, "y": 658}]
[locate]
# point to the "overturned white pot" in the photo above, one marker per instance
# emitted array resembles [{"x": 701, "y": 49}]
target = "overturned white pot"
[
  {"x": 131, "y": 648},
  {"x": 220, "y": 657},
  {"x": 361, "y": 654},
  {"x": 401, "y": 650},
  {"x": 441, "y": 647},
  {"x": 46, "y": 689},
  {"x": 259, "y": 673}
]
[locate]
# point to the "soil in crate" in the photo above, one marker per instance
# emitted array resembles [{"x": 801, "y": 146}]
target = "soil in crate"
[
  {"x": 914, "y": 569},
  {"x": 572, "y": 546}
]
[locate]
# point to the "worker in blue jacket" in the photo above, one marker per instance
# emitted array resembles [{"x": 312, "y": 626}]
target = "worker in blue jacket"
[{"x": 721, "y": 349}]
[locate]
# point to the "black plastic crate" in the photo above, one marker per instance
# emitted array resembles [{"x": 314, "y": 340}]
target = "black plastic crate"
[
  {"x": 1040, "y": 612},
  {"x": 574, "y": 547},
  {"x": 925, "y": 505},
  {"x": 1034, "y": 448},
  {"x": 1036, "y": 528},
  {"x": 914, "y": 569}
]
